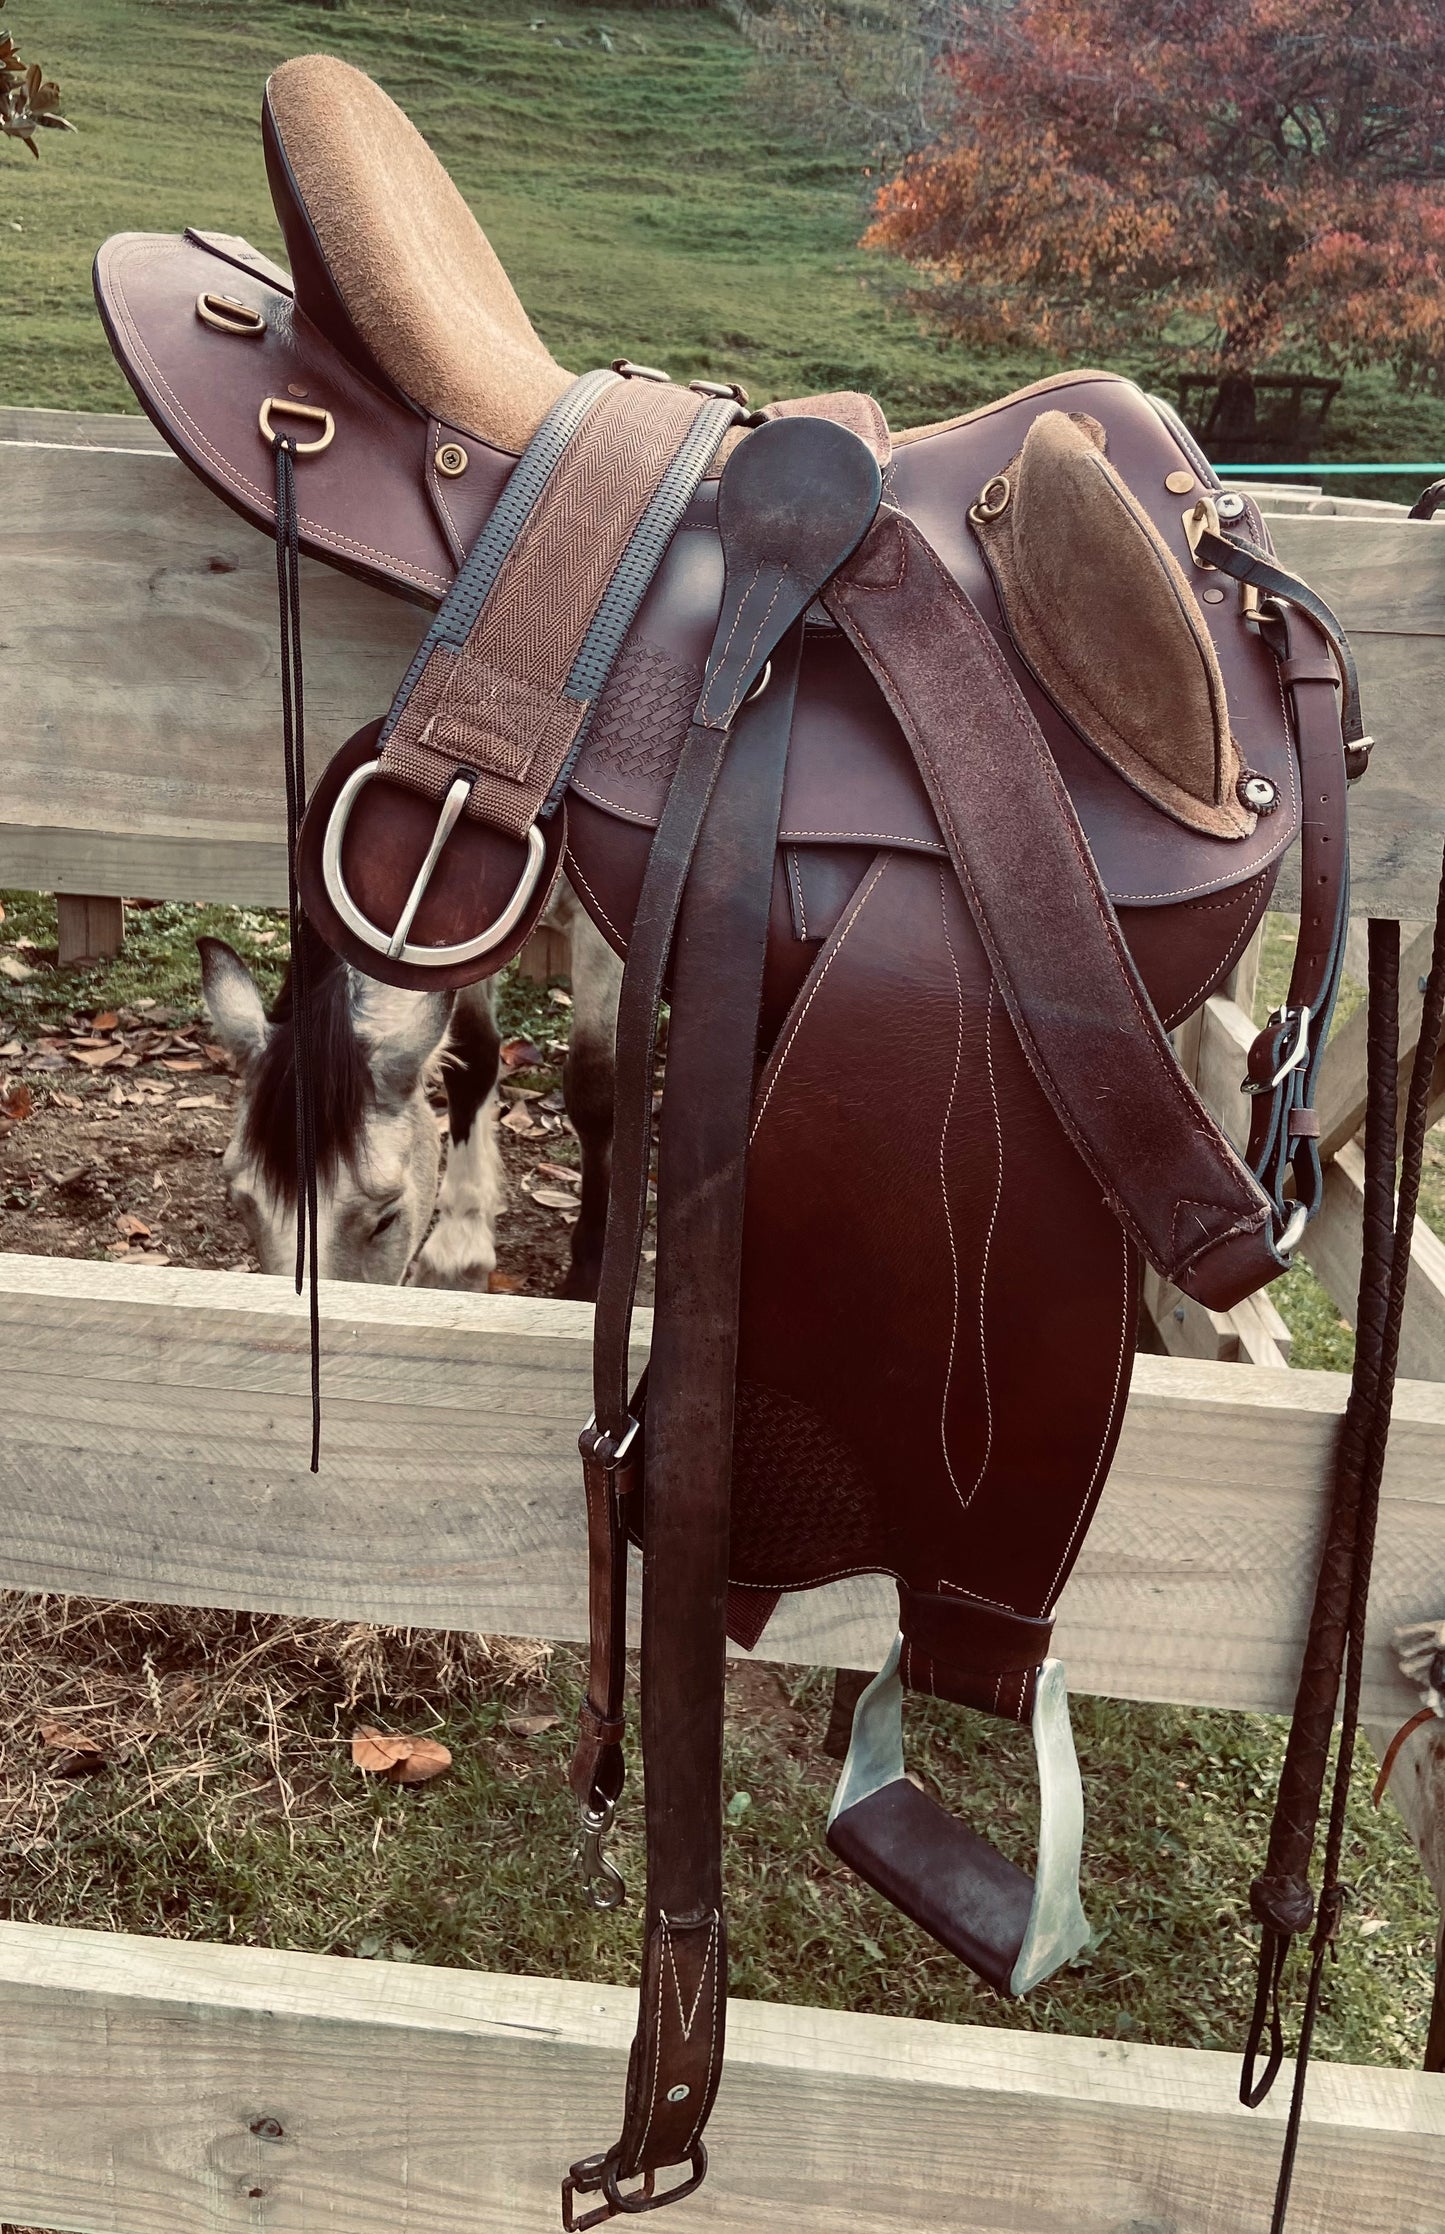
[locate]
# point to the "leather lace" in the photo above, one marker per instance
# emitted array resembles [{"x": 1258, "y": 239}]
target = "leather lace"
[{"x": 293, "y": 729}]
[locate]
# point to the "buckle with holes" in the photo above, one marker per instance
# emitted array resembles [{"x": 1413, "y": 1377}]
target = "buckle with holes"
[
  {"x": 596, "y": 2173},
  {"x": 393, "y": 944},
  {"x": 1299, "y": 1052},
  {"x": 284, "y": 407}
]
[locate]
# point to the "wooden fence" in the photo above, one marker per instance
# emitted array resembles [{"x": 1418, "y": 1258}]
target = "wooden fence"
[{"x": 152, "y": 1448}]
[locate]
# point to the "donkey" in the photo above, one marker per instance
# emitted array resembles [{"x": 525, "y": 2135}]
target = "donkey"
[{"x": 377, "y": 1149}]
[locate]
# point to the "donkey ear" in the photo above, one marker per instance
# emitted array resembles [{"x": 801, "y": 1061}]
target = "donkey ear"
[
  {"x": 234, "y": 1001},
  {"x": 400, "y": 1032}
]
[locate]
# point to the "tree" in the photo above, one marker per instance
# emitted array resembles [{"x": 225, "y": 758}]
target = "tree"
[
  {"x": 29, "y": 101},
  {"x": 1245, "y": 176}
]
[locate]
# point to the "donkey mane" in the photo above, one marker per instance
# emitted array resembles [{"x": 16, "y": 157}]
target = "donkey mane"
[{"x": 343, "y": 1089}]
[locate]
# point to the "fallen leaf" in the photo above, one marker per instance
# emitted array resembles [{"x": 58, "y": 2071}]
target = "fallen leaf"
[
  {"x": 17, "y": 1105},
  {"x": 553, "y": 1198},
  {"x": 502, "y": 1283},
  {"x": 182, "y": 1062},
  {"x": 12, "y": 1047},
  {"x": 563, "y": 1000},
  {"x": 563, "y": 1172},
  {"x": 106, "y": 1022},
  {"x": 520, "y": 1054},
  {"x": 519, "y": 1119},
  {"x": 67, "y": 1101},
  {"x": 217, "y": 1054},
  {"x": 148, "y": 1003},
  {"x": 96, "y": 1058},
  {"x": 135, "y": 1229},
  {"x": 79, "y": 1754},
  {"x": 427, "y": 1758},
  {"x": 377, "y": 1754},
  {"x": 12, "y": 967},
  {"x": 532, "y": 1725},
  {"x": 403, "y": 1760},
  {"x": 199, "y": 1101}
]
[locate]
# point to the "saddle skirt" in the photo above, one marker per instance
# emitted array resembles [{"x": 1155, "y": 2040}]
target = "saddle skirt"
[{"x": 936, "y": 1267}]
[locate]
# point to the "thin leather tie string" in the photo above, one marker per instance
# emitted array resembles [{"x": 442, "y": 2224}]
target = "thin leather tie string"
[
  {"x": 293, "y": 727},
  {"x": 1380, "y": 1380}
]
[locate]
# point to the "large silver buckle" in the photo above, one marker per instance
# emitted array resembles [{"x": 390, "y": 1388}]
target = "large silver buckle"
[{"x": 393, "y": 944}]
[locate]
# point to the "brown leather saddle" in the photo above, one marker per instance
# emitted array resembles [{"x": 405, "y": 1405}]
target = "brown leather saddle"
[{"x": 985, "y": 739}]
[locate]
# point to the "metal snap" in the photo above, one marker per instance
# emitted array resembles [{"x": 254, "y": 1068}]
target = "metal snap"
[
  {"x": 1180, "y": 483},
  {"x": 451, "y": 459}
]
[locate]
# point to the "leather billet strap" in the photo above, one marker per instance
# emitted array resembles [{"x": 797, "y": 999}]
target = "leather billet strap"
[
  {"x": 1093, "y": 1040},
  {"x": 1283, "y": 1064},
  {"x": 503, "y": 683},
  {"x": 792, "y": 503}
]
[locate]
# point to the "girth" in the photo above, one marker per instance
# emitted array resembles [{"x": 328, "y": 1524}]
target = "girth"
[{"x": 817, "y": 761}]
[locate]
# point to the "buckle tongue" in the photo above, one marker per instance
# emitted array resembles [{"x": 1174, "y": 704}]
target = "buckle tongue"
[{"x": 394, "y": 944}]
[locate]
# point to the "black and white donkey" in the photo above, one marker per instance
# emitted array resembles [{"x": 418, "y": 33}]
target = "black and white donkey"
[{"x": 378, "y": 1149}]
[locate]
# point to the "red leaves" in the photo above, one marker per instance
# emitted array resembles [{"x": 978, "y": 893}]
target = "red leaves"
[{"x": 1237, "y": 178}]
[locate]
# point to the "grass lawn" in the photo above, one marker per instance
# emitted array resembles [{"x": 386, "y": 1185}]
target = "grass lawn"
[{"x": 618, "y": 163}]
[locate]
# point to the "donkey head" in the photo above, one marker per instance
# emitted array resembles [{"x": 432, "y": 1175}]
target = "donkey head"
[{"x": 377, "y": 1148}]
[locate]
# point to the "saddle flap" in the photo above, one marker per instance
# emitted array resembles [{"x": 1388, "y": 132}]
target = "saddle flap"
[{"x": 1103, "y": 613}]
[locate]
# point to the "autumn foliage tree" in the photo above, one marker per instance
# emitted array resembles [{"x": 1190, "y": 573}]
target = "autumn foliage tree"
[{"x": 1243, "y": 177}]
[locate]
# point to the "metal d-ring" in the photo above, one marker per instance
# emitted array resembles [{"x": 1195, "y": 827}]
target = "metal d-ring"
[
  {"x": 310, "y": 412},
  {"x": 228, "y": 316},
  {"x": 393, "y": 944}
]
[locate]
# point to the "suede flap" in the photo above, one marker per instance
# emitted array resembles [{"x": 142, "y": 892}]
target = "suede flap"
[{"x": 1105, "y": 616}]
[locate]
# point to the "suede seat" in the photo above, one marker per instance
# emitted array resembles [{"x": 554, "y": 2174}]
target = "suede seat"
[{"x": 390, "y": 262}]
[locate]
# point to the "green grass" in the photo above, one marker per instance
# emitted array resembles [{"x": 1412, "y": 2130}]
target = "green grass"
[
  {"x": 627, "y": 187},
  {"x": 230, "y": 1810}
]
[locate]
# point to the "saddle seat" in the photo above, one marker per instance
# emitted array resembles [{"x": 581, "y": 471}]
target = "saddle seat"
[{"x": 391, "y": 264}]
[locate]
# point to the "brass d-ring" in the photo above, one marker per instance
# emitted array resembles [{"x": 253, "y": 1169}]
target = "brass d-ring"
[
  {"x": 229, "y": 316},
  {"x": 993, "y": 501},
  {"x": 308, "y": 411}
]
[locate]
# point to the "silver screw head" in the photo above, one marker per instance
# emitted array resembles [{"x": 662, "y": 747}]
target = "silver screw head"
[
  {"x": 1259, "y": 793},
  {"x": 1230, "y": 506}
]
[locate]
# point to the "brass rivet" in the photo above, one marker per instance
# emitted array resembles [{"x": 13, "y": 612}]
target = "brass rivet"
[
  {"x": 1179, "y": 484},
  {"x": 293, "y": 390},
  {"x": 1212, "y": 597},
  {"x": 452, "y": 459}
]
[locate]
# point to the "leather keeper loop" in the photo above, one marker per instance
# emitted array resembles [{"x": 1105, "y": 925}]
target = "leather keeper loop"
[
  {"x": 1309, "y": 667},
  {"x": 974, "y": 1638},
  {"x": 599, "y": 1729},
  {"x": 1304, "y": 1124}
]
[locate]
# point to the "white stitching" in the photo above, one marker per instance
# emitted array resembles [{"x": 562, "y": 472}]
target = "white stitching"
[
  {"x": 833, "y": 952},
  {"x": 238, "y": 480},
  {"x": 575, "y": 876},
  {"x": 795, "y": 879},
  {"x": 983, "y": 1465},
  {"x": 948, "y": 1208},
  {"x": 1086, "y": 1508}
]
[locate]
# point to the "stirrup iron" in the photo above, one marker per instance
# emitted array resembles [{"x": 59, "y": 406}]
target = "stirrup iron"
[{"x": 1013, "y": 1930}]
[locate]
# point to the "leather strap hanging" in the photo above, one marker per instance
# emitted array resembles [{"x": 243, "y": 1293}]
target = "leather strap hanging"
[
  {"x": 1098, "y": 1050},
  {"x": 792, "y": 504}
]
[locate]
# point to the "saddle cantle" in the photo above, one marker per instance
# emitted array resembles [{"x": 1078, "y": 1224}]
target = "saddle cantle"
[{"x": 990, "y": 735}]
